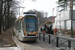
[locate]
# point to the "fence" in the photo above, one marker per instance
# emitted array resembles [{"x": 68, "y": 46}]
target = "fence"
[{"x": 57, "y": 38}]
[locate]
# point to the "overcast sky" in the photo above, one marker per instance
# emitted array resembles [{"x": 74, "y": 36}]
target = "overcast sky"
[{"x": 40, "y": 5}]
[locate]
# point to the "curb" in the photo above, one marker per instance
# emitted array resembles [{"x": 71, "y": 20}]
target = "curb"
[{"x": 16, "y": 44}]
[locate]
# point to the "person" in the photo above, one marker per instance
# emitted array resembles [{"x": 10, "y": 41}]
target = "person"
[
  {"x": 44, "y": 28},
  {"x": 55, "y": 30},
  {"x": 41, "y": 29}
]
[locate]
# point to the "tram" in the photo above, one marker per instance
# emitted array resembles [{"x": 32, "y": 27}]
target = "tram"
[{"x": 26, "y": 27}]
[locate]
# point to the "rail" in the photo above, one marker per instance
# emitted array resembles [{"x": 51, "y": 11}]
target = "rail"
[{"x": 57, "y": 38}]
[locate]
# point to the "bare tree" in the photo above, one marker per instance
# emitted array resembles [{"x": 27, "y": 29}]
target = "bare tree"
[{"x": 8, "y": 16}]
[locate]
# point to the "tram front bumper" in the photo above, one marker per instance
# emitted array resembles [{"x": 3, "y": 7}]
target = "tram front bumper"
[{"x": 30, "y": 38}]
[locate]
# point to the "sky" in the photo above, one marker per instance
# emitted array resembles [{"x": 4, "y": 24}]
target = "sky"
[{"x": 39, "y": 5}]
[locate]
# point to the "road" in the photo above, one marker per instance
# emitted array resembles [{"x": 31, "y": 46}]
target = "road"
[{"x": 38, "y": 45}]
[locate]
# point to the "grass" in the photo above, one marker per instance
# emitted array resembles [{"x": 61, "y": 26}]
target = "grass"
[{"x": 14, "y": 33}]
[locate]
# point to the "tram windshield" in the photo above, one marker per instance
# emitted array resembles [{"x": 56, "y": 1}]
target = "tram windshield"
[{"x": 31, "y": 24}]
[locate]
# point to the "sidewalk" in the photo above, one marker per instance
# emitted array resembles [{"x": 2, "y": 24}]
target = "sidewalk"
[
  {"x": 6, "y": 39},
  {"x": 9, "y": 48}
]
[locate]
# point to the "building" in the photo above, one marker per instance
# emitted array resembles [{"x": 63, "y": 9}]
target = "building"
[{"x": 63, "y": 20}]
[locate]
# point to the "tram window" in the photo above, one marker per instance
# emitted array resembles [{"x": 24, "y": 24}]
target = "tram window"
[
  {"x": 22, "y": 24},
  {"x": 16, "y": 25},
  {"x": 36, "y": 24},
  {"x": 19, "y": 24},
  {"x": 30, "y": 24}
]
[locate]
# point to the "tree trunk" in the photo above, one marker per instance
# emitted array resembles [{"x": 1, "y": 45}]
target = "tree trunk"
[
  {"x": 1, "y": 4},
  {"x": 5, "y": 22},
  {"x": 3, "y": 25},
  {"x": 0, "y": 25},
  {"x": 8, "y": 15}
]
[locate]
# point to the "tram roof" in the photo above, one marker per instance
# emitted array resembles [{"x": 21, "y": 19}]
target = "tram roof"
[
  {"x": 25, "y": 16},
  {"x": 29, "y": 13},
  {"x": 19, "y": 18}
]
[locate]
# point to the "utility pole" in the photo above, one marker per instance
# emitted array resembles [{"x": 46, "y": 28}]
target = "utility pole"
[
  {"x": 60, "y": 21},
  {"x": 71, "y": 9}
]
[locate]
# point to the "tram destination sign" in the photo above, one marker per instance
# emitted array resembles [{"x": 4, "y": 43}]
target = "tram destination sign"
[{"x": 31, "y": 17}]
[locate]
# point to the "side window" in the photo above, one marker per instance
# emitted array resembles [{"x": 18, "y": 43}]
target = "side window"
[
  {"x": 19, "y": 24},
  {"x": 22, "y": 24},
  {"x": 25, "y": 22},
  {"x": 36, "y": 25}
]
